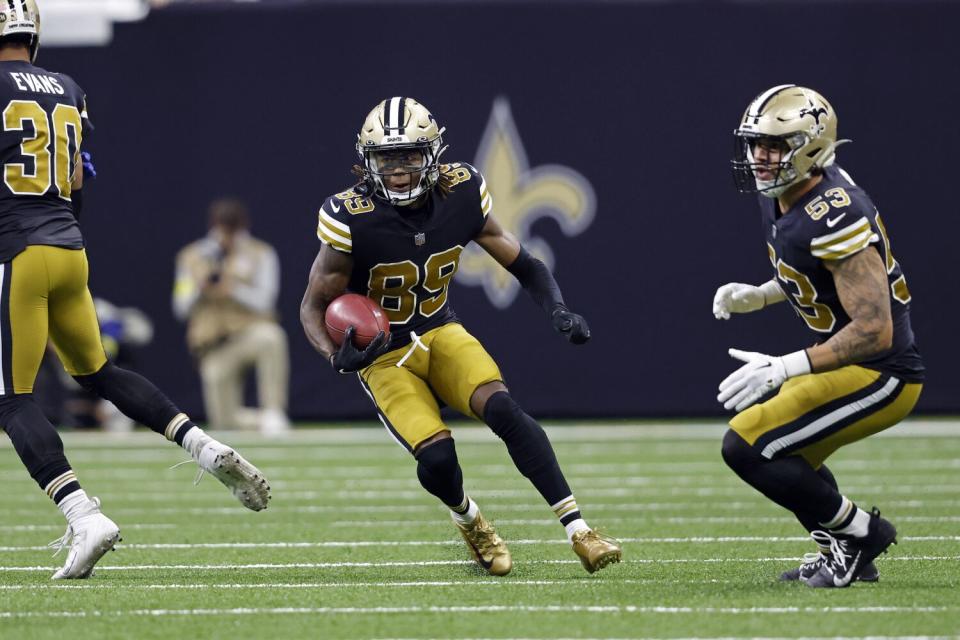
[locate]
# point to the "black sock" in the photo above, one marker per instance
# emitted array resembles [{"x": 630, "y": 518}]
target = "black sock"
[
  {"x": 38, "y": 444},
  {"x": 789, "y": 481},
  {"x": 439, "y": 472},
  {"x": 139, "y": 399},
  {"x": 528, "y": 447}
]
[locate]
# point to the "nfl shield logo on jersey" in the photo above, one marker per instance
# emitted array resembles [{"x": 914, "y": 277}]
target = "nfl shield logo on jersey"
[{"x": 419, "y": 239}]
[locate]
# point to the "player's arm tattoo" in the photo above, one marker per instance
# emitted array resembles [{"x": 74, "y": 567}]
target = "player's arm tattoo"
[
  {"x": 861, "y": 282},
  {"x": 329, "y": 277}
]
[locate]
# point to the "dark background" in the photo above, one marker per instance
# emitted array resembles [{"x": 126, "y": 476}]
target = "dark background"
[{"x": 264, "y": 101}]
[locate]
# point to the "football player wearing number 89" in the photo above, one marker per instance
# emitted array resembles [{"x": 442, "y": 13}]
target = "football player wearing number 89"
[
  {"x": 831, "y": 259},
  {"x": 396, "y": 237},
  {"x": 43, "y": 293}
]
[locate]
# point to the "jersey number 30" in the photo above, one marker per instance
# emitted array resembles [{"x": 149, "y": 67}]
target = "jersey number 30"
[
  {"x": 51, "y": 137},
  {"x": 392, "y": 284}
]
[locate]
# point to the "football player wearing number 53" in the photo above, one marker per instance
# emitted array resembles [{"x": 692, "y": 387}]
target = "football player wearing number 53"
[
  {"x": 396, "y": 237},
  {"x": 43, "y": 293},
  {"x": 832, "y": 261}
]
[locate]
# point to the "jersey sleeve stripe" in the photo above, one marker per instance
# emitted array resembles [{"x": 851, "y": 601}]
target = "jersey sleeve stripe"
[
  {"x": 841, "y": 235},
  {"x": 333, "y": 239},
  {"x": 335, "y": 224},
  {"x": 840, "y": 250},
  {"x": 487, "y": 205}
]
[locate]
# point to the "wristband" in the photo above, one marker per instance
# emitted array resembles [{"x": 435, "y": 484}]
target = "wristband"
[
  {"x": 796, "y": 363},
  {"x": 772, "y": 293}
]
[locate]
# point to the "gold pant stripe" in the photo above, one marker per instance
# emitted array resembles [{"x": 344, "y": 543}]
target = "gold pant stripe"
[
  {"x": 48, "y": 298},
  {"x": 814, "y": 415},
  {"x": 408, "y": 396},
  {"x": 799, "y": 397},
  {"x": 825, "y": 422},
  {"x": 885, "y": 418}
]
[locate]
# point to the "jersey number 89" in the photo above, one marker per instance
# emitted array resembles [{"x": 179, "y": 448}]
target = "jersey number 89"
[{"x": 392, "y": 284}]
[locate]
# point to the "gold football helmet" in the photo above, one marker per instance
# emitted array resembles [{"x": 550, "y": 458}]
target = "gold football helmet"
[
  {"x": 21, "y": 18},
  {"x": 798, "y": 125},
  {"x": 400, "y": 141}
]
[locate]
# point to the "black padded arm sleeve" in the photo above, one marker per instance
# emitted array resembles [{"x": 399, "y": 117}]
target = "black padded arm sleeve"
[{"x": 535, "y": 277}]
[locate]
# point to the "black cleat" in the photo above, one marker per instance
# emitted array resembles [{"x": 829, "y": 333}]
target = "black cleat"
[
  {"x": 849, "y": 559},
  {"x": 812, "y": 562}
]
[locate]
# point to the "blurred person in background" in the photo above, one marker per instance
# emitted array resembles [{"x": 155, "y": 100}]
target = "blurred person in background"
[
  {"x": 44, "y": 294},
  {"x": 226, "y": 289}
]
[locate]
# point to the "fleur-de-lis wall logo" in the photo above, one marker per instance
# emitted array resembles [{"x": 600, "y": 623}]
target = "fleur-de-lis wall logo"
[{"x": 521, "y": 196}]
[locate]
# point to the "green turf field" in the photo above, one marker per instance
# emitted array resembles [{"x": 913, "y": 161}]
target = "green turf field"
[{"x": 352, "y": 547}]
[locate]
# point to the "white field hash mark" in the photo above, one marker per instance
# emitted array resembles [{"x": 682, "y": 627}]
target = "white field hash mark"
[
  {"x": 337, "y": 544},
  {"x": 561, "y": 609},
  {"x": 438, "y": 563}
]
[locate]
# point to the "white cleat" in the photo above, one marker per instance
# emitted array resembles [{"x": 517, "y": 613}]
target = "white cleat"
[
  {"x": 91, "y": 536},
  {"x": 242, "y": 478}
]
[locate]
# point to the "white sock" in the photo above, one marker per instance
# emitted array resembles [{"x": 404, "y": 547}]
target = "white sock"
[
  {"x": 468, "y": 516},
  {"x": 194, "y": 440},
  {"x": 574, "y": 526},
  {"x": 857, "y": 526},
  {"x": 75, "y": 505}
]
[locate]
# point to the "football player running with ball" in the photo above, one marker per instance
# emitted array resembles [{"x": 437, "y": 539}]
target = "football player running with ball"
[
  {"x": 831, "y": 259},
  {"x": 396, "y": 237},
  {"x": 43, "y": 293}
]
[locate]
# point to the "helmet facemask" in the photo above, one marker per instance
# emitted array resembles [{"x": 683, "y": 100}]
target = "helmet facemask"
[
  {"x": 384, "y": 165},
  {"x": 747, "y": 169}
]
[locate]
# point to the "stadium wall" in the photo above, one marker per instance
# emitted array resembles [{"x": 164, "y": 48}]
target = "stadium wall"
[{"x": 604, "y": 130}]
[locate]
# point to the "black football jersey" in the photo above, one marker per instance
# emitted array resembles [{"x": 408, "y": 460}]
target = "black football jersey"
[
  {"x": 404, "y": 259},
  {"x": 44, "y": 120},
  {"x": 835, "y": 220}
]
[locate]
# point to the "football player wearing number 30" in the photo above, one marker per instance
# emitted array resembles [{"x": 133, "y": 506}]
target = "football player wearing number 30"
[
  {"x": 831, "y": 259},
  {"x": 43, "y": 292},
  {"x": 396, "y": 237}
]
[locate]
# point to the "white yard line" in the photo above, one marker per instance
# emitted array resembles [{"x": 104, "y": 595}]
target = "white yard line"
[
  {"x": 584, "y": 432},
  {"x": 436, "y": 563},
  {"x": 577, "y": 583},
  {"x": 337, "y": 544},
  {"x": 554, "y": 609},
  {"x": 544, "y": 522},
  {"x": 276, "y": 507}
]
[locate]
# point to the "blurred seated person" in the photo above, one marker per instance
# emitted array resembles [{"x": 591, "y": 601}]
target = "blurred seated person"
[{"x": 226, "y": 290}]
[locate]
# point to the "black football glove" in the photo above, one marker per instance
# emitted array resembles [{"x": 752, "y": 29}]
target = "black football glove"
[
  {"x": 570, "y": 325},
  {"x": 350, "y": 359}
]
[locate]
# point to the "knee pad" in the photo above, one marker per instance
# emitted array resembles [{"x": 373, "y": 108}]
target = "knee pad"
[
  {"x": 97, "y": 382},
  {"x": 737, "y": 453},
  {"x": 439, "y": 459},
  {"x": 503, "y": 415}
]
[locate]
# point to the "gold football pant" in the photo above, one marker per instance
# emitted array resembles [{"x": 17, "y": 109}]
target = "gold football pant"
[
  {"x": 405, "y": 384},
  {"x": 816, "y": 414},
  {"x": 44, "y": 293}
]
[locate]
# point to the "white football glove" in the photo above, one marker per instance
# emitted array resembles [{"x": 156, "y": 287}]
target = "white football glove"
[
  {"x": 759, "y": 376},
  {"x": 737, "y": 297}
]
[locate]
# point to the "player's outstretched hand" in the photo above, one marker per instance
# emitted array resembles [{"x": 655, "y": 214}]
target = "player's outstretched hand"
[
  {"x": 570, "y": 325},
  {"x": 350, "y": 359},
  {"x": 759, "y": 376},
  {"x": 737, "y": 297}
]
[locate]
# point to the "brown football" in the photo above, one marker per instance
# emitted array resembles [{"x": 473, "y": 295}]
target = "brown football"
[{"x": 360, "y": 312}]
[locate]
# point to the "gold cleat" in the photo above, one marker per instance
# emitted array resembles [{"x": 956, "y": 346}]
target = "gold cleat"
[
  {"x": 487, "y": 548},
  {"x": 596, "y": 550}
]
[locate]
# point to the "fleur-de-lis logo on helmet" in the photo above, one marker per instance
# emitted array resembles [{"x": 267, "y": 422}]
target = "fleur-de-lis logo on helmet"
[{"x": 521, "y": 196}]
